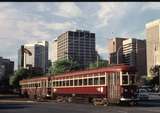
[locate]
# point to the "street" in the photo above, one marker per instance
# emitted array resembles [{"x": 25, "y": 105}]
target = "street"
[{"x": 151, "y": 106}]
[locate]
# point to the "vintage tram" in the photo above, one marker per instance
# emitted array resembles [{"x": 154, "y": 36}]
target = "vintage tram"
[
  {"x": 114, "y": 84},
  {"x": 35, "y": 88}
]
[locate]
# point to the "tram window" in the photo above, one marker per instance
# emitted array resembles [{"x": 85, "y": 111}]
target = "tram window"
[
  {"x": 96, "y": 81},
  {"x": 67, "y": 83},
  {"x": 90, "y": 80},
  {"x": 44, "y": 84},
  {"x": 76, "y": 82},
  {"x": 102, "y": 80},
  {"x": 53, "y": 83},
  {"x": 60, "y": 83},
  {"x": 80, "y": 82},
  {"x": 71, "y": 82},
  {"x": 125, "y": 79},
  {"x": 84, "y": 81},
  {"x": 64, "y": 83}
]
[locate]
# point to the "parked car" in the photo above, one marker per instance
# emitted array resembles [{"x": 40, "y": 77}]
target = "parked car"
[
  {"x": 142, "y": 94},
  {"x": 148, "y": 88}
]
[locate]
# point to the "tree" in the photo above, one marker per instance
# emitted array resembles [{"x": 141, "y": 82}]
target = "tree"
[
  {"x": 62, "y": 66},
  {"x": 23, "y": 74},
  {"x": 18, "y": 75},
  {"x": 155, "y": 71},
  {"x": 100, "y": 63}
]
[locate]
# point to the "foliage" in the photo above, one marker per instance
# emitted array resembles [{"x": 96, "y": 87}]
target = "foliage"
[
  {"x": 62, "y": 66},
  {"x": 22, "y": 74},
  {"x": 155, "y": 71},
  {"x": 100, "y": 63},
  {"x": 18, "y": 75}
]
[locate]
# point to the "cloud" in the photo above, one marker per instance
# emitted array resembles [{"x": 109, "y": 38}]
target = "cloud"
[
  {"x": 109, "y": 11},
  {"x": 59, "y": 26},
  {"x": 150, "y": 6},
  {"x": 68, "y": 9},
  {"x": 101, "y": 50}
]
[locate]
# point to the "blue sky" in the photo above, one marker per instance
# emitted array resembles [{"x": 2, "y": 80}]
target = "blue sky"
[{"x": 24, "y": 22}]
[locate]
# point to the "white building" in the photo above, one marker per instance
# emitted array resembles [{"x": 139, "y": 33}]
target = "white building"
[{"x": 153, "y": 44}]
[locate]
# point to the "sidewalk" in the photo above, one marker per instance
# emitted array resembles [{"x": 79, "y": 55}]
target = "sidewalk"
[{"x": 11, "y": 98}]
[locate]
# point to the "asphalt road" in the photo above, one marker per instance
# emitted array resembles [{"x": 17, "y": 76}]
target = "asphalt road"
[
  {"x": 15, "y": 104},
  {"x": 53, "y": 107}
]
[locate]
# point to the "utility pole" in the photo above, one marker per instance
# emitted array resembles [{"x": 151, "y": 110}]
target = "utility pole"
[{"x": 97, "y": 60}]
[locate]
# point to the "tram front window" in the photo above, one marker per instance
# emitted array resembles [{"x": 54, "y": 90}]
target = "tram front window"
[{"x": 125, "y": 79}]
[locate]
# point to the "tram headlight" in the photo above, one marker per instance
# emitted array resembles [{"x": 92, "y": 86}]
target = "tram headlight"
[{"x": 125, "y": 90}]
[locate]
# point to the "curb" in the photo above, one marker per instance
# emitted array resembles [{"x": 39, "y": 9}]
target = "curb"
[{"x": 12, "y": 101}]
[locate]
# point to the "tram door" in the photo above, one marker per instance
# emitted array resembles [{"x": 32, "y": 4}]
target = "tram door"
[{"x": 114, "y": 87}]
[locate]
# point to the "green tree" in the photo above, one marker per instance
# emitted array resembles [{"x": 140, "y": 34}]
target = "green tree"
[
  {"x": 155, "y": 71},
  {"x": 100, "y": 63},
  {"x": 62, "y": 66},
  {"x": 23, "y": 74},
  {"x": 18, "y": 75}
]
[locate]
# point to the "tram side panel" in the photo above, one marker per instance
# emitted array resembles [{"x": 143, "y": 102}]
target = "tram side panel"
[{"x": 92, "y": 91}]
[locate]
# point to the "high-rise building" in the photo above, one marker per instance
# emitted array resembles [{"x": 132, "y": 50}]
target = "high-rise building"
[
  {"x": 134, "y": 53},
  {"x": 6, "y": 69},
  {"x": 21, "y": 57},
  {"x": 130, "y": 52},
  {"x": 77, "y": 45},
  {"x": 34, "y": 55},
  {"x": 153, "y": 44},
  {"x": 114, "y": 49}
]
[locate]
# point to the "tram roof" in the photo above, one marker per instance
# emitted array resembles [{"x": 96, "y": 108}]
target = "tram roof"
[{"x": 113, "y": 68}]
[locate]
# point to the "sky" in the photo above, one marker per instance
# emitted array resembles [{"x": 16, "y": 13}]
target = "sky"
[{"x": 23, "y": 22}]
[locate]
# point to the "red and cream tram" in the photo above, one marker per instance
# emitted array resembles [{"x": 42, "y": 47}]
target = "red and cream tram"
[
  {"x": 105, "y": 85},
  {"x": 35, "y": 88}
]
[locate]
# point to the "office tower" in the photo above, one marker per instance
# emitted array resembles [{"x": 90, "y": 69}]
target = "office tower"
[
  {"x": 34, "y": 55},
  {"x": 77, "y": 45},
  {"x": 153, "y": 45},
  {"x": 134, "y": 54},
  {"x": 6, "y": 69},
  {"x": 115, "y": 48}
]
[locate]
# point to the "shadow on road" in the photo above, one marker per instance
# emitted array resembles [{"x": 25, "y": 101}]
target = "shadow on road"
[
  {"x": 13, "y": 106},
  {"x": 149, "y": 103}
]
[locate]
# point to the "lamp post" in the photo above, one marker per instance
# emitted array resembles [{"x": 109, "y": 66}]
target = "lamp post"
[{"x": 97, "y": 60}]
